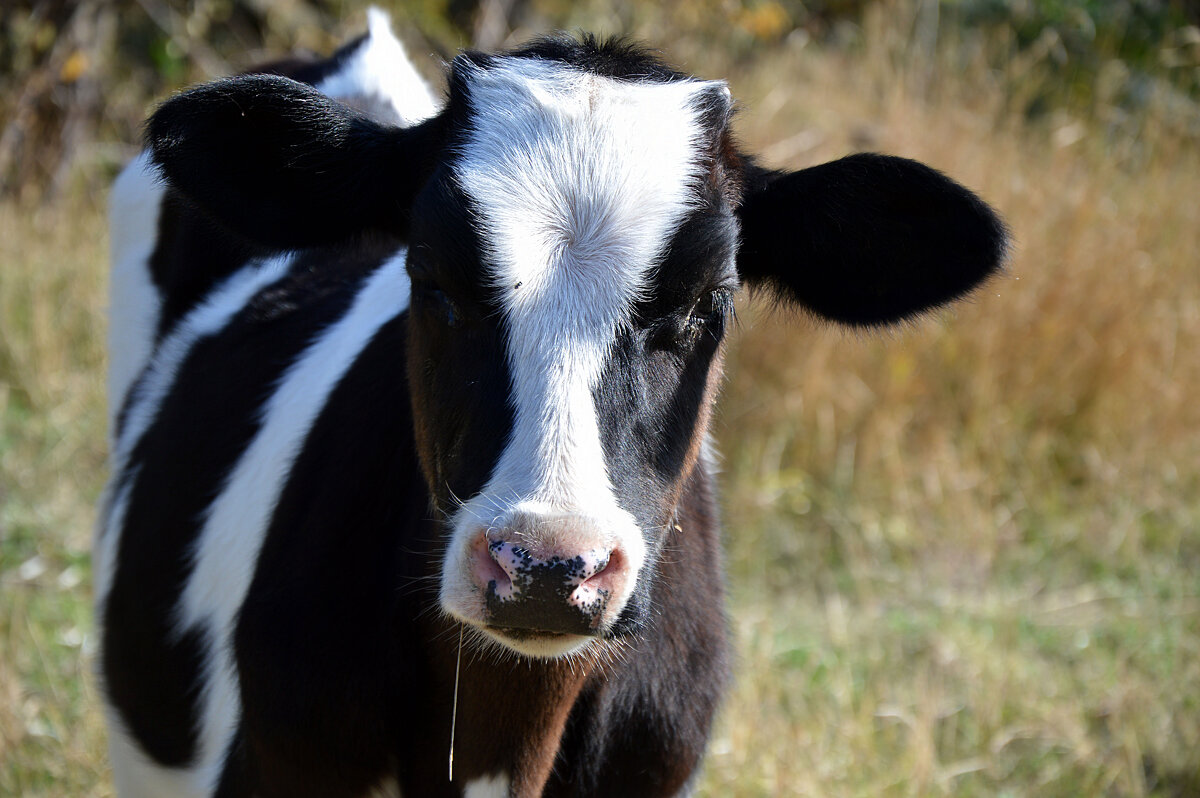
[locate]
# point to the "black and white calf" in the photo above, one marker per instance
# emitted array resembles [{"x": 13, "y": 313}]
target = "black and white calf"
[{"x": 379, "y": 389}]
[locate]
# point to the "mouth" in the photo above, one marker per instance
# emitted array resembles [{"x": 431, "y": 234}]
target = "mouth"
[
  {"x": 521, "y": 633},
  {"x": 516, "y": 633},
  {"x": 537, "y": 643}
]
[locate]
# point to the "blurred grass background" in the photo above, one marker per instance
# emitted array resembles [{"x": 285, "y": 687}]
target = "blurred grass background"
[{"x": 964, "y": 556}]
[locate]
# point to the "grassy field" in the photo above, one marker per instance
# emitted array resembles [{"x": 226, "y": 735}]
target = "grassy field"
[{"x": 964, "y": 556}]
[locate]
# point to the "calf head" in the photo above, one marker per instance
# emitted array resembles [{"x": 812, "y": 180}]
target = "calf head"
[{"x": 578, "y": 220}]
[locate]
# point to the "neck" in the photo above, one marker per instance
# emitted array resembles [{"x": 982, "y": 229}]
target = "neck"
[{"x": 511, "y": 713}]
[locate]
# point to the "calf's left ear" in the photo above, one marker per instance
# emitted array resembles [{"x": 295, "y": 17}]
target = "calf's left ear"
[
  {"x": 866, "y": 240},
  {"x": 286, "y": 166}
]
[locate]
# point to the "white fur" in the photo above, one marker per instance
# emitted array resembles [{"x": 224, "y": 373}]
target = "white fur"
[
  {"x": 381, "y": 69},
  {"x": 227, "y": 549},
  {"x": 107, "y": 537},
  {"x": 494, "y": 786},
  {"x": 134, "y": 774},
  {"x": 134, "y": 301},
  {"x": 579, "y": 181}
]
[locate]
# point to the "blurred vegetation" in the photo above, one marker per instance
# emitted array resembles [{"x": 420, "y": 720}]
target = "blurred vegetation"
[
  {"x": 77, "y": 78},
  {"x": 964, "y": 559}
]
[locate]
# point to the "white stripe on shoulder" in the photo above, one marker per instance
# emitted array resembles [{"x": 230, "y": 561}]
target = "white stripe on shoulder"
[
  {"x": 227, "y": 548},
  {"x": 107, "y": 536},
  {"x": 208, "y": 318}
]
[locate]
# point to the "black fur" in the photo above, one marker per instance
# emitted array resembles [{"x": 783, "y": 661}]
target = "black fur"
[
  {"x": 616, "y": 58},
  {"x": 193, "y": 254}
]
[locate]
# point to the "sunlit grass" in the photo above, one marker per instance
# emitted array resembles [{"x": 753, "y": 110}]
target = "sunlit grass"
[{"x": 964, "y": 556}]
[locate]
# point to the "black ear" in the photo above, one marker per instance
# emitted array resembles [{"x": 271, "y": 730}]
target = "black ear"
[
  {"x": 868, "y": 239},
  {"x": 286, "y": 166}
]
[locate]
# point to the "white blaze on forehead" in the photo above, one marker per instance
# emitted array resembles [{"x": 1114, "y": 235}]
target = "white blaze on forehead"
[{"x": 579, "y": 182}]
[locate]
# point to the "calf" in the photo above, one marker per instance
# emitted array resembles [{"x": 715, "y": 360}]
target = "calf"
[{"x": 411, "y": 454}]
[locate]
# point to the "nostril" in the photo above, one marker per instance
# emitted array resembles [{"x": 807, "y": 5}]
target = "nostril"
[
  {"x": 592, "y": 594},
  {"x": 594, "y": 563},
  {"x": 607, "y": 569},
  {"x": 489, "y": 573}
]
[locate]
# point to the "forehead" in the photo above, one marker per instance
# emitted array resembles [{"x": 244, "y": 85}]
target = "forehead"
[{"x": 578, "y": 176}]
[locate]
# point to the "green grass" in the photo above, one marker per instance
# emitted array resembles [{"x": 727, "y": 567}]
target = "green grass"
[
  {"x": 1035, "y": 675},
  {"x": 964, "y": 556},
  {"x": 51, "y": 471}
]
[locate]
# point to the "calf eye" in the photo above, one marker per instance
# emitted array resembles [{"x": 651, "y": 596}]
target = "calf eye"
[
  {"x": 705, "y": 306},
  {"x": 437, "y": 305},
  {"x": 711, "y": 308}
]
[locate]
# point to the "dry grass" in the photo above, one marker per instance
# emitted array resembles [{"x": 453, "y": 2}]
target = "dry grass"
[{"x": 965, "y": 556}]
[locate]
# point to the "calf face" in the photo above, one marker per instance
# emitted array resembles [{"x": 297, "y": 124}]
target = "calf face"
[{"x": 578, "y": 221}]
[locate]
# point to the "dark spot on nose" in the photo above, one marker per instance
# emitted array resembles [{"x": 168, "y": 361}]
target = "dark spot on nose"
[{"x": 541, "y": 598}]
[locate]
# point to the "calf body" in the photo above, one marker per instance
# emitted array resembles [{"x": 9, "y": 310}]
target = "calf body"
[{"x": 424, "y": 411}]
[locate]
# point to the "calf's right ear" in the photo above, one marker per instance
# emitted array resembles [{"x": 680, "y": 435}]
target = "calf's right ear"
[
  {"x": 867, "y": 240},
  {"x": 286, "y": 166}
]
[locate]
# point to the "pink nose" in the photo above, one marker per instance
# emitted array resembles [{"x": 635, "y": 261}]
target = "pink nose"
[{"x": 546, "y": 590}]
